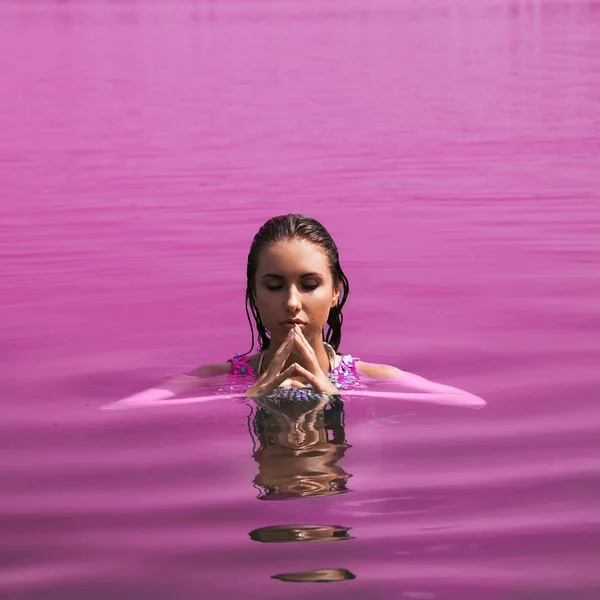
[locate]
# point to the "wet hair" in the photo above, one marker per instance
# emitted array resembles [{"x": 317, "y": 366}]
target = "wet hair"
[{"x": 296, "y": 227}]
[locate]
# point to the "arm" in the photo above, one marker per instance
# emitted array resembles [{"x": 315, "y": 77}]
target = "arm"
[
  {"x": 418, "y": 388},
  {"x": 172, "y": 387}
]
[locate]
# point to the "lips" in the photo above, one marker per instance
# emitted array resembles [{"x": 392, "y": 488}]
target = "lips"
[{"x": 293, "y": 322}]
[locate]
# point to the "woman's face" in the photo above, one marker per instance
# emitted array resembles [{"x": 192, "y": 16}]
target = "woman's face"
[{"x": 293, "y": 283}]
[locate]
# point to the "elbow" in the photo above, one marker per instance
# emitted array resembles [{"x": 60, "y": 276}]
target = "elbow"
[
  {"x": 148, "y": 397},
  {"x": 473, "y": 401}
]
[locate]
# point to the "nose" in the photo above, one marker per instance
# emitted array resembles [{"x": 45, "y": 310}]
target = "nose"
[{"x": 293, "y": 302}]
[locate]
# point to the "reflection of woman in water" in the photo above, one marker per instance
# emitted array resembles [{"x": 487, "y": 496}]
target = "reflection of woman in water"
[
  {"x": 299, "y": 442},
  {"x": 295, "y": 294}
]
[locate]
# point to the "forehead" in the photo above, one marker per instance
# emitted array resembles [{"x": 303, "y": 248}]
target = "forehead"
[{"x": 292, "y": 257}]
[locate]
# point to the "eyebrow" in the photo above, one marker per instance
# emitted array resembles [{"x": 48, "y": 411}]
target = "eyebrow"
[{"x": 282, "y": 277}]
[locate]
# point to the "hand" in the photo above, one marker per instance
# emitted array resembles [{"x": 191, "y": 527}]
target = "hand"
[
  {"x": 273, "y": 377},
  {"x": 314, "y": 375}
]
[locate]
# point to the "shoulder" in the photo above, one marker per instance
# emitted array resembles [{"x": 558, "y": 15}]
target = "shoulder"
[
  {"x": 208, "y": 370},
  {"x": 232, "y": 365},
  {"x": 377, "y": 371}
]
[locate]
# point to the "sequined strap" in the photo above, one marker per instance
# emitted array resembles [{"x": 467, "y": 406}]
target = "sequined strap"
[
  {"x": 345, "y": 375},
  {"x": 347, "y": 364},
  {"x": 240, "y": 366}
]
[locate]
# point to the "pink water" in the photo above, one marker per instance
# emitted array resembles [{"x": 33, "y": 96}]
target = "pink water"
[{"x": 451, "y": 147}]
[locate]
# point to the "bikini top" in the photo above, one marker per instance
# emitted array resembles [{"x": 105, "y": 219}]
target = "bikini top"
[{"x": 344, "y": 375}]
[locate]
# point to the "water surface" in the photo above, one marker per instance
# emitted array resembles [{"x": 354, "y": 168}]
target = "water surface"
[{"x": 452, "y": 150}]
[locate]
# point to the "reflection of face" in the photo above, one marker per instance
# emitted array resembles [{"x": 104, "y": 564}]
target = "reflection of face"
[
  {"x": 295, "y": 468},
  {"x": 295, "y": 418},
  {"x": 317, "y": 576},
  {"x": 278, "y": 534},
  {"x": 288, "y": 469},
  {"x": 293, "y": 281},
  {"x": 308, "y": 472}
]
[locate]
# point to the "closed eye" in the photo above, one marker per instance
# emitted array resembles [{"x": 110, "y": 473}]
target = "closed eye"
[{"x": 306, "y": 286}]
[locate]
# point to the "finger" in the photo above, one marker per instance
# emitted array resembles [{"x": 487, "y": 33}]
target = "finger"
[
  {"x": 264, "y": 388},
  {"x": 299, "y": 333},
  {"x": 289, "y": 338},
  {"x": 306, "y": 343},
  {"x": 301, "y": 339},
  {"x": 320, "y": 383},
  {"x": 279, "y": 379},
  {"x": 281, "y": 355},
  {"x": 307, "y": 352},
  {"x": 310, "y": 377}
]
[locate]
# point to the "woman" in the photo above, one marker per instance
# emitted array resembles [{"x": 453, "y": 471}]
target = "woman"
[{"x": 295, "y": 294}]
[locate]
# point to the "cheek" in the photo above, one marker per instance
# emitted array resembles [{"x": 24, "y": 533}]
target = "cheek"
[
  {"x": 320, "y": 305},
  {"x": 264, "y": 304}
]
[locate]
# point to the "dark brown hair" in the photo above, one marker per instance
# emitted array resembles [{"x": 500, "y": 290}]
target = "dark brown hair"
[{"x": 296, "y": 227}]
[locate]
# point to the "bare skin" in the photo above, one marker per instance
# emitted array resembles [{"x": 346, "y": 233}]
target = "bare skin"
[
  {"x": 296, "y": 375},
  {"x": 294, "y": 291}
]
